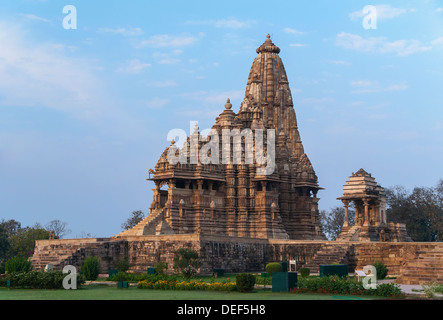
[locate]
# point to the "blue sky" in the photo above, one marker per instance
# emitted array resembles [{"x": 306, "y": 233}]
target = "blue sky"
[{"x": 84, "y": 113}]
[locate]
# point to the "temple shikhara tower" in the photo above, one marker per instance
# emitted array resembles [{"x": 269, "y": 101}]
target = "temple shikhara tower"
[{"x": 254, "y": 199}]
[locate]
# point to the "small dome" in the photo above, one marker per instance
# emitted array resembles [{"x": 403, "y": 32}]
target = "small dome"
[{"x": 268, "y": 46}]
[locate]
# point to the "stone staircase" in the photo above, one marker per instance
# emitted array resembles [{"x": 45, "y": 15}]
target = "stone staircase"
[
  {"x": 350, "y": 234},
  {"x": 329, "y": 253},
  {"x": 427, "y": 268},
  {"x": 55, "y": 253},
  {"x": 145, "y": 227}
]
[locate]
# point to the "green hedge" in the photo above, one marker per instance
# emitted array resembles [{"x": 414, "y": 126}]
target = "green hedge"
[
  {"x": 273, "y": 267},
  {"x": 37, "y": 280},
  {"x": 339, "y": 285},
  {"x": 305, "y": 272},
  {"x": 186, "y": 285}
]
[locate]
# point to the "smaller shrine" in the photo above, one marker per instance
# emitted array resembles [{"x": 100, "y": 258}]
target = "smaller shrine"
[{"x": 369, "y": 202}]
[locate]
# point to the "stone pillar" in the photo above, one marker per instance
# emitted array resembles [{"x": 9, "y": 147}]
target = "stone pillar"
[
  {"x": 346, "y": 205},
  {"x": 273, "y": 207},
  {"x": 182, "y": 203},
  {"x": 366, "y": 205},
  {"x": 212, "y": 205}
]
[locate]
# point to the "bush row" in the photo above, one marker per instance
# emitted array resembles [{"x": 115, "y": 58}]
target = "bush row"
[
  {"x": 36, "y": 280},
  {"x": 186, "y": 285},
  {"x": 337, "y": 285},
  {"x": 136, "y": 277}
]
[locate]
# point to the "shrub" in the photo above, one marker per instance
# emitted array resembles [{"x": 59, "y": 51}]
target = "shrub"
[
  {"x": 18, "y": 264},
  {"x": 245, "y": 282},
  {"x": 37, "y": 280},
  {"x": 122, "y": 265},
  {"x": 386, "y": 290},
  {"x": 137, "y": 277},
  {"x": 338, "y": 285},
  {"x": 185, "y": 285},
  {"x": 120, "y": 276},
  {"x": 91, "y": 268},
  {"x": 305, "y": 272},
  {"x": 431, "y": 290},
  {"x": 161, "y": 267},
  {"x": 382, "y": 270},
  {"x": 187, "y": 262},
  {"x": 273, "y": 267}
]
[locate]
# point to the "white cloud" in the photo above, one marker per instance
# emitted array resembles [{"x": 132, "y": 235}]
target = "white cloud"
[
  {"x": 373, "y": 87},
  {"x": 361, "y": 83},
  {"x": 34, "y": 17},
  {"x": 229, "y": 23},
  {"x": 317, "y": 100},
  {"x": 45, "y": 75},
  {"x": 214, "y": 98},
  {"x": 166, "y": 40},
  {"x": 341, "y": 62},
  {"x": 298, "y": 45},
  {"x": 293, "y": 31},
  {"x": 127, "y": 32},
  {"x": 156, "y": 103},
  {"x": 439, "y": 9},
  {"x": 380, "y": 44},
  {"x": 162, "y": 84},
  {"x": 437, "y": 41},
  {"x": 134, "y": 66},
  {"x": 384, "y": 11},
  {"x": 169, "y": 61}
]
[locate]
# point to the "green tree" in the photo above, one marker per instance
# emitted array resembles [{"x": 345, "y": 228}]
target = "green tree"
[
  {"x": 136, "y": 217},
  {"x": 23, "y": 242},
  {"x": 59, "y": 227},
  {"x": 420, "y": 209},
  {"x": 187, "y": 262},
  {"x": 11, "y": 226},
  {"x": 4, "y": 244},
  {"x": 332, "y": 221}
]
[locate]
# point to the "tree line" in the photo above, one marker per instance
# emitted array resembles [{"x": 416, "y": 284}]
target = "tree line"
[
  {"x": 421, "y": 209},
  {"x": 18, "y": 241}
]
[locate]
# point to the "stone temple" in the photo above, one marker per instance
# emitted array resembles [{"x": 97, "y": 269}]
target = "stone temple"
[
  {"x": 240, "y": 214},
  {"x": 237, "y": 199},
  {"x": 371, "y": 222}
]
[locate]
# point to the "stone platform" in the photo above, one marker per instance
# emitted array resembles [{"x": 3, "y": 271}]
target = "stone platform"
[{"x": 411, "y": 262}]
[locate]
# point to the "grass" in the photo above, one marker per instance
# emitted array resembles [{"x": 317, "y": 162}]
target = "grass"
[{"x": 104, "y": 292}]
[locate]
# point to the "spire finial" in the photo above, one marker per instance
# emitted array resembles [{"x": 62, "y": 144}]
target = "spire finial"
[
  {"x": 268, "y": 46},
  {"x": 228, "y": 104}
]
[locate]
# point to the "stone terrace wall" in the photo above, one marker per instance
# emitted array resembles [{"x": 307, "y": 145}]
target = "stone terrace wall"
[
  {"x": 146, "y": 251},
  {"x": 413, "y": 262}
]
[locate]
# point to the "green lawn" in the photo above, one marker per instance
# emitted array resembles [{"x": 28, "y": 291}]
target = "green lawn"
[{"x": 103, "y": 292}]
